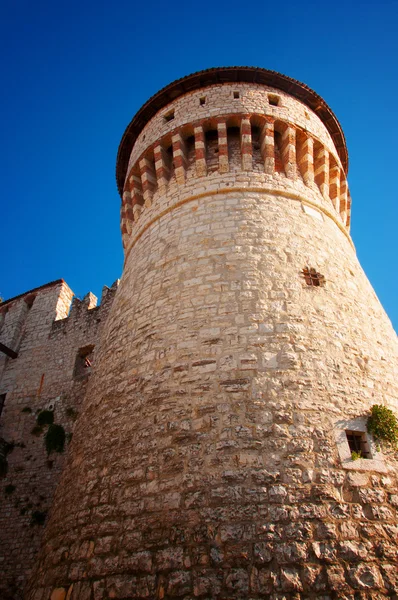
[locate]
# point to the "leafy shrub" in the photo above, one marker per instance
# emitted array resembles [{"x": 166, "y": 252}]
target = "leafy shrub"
[
  {"x": 355, "y": 455},
  {"x": 55, "y": 439},
  {"x": 383, "y": 424},
  {"x": 45, "y": 417}
]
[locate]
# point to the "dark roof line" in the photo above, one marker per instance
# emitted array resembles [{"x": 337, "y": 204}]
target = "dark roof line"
[
  {"x": 37, "y": 289},
  {"x": 226, "y": 75}
]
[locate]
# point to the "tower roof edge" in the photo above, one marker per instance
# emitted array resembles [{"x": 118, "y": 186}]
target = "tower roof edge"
[{"x": 216, "y": 75}]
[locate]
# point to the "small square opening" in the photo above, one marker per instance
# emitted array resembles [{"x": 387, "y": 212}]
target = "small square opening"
[
  {"x": 202, "y": 100},
  {"x": 169, "y": 116},
  {"x": 236, "y": 95},
  {"x": 273, "y": 100},
  {"x": 2, "y": 400},
  {"x": 358, "y": 443}
]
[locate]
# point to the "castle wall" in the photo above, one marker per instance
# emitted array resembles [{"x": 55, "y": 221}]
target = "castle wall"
[
  {"x": 210, "y": 459},
  {"x": 36, "y": 325}
]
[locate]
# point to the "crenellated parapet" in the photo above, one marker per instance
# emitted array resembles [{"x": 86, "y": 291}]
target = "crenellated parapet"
[
  {"x": 85, "y": 313},
  {"x": 223, "y": 132}
]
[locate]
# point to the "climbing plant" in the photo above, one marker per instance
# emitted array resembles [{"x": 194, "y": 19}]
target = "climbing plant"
[{"x": 383, "y": 424}]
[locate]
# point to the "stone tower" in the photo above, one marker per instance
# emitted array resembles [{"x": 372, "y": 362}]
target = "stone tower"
[{"x": 242, "y": 353}]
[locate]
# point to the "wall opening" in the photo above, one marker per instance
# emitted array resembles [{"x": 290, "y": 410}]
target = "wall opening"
[
  {"x": 236, "y": 95},
  {"x": 83, "y": 362},
  {"x": 274, "y": 100},
  {"x": 29, "y": 299},
  {"x": 202, "y": 101},
  {"x": 2, "y": 400},
  {"x": 169, "y": 116}
]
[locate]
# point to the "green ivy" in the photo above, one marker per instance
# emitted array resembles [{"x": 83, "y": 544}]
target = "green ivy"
[
  {"x": 383, "y": 424},
  {"x": 55, "y": 439},
  {"x": 45, "y": 417}
]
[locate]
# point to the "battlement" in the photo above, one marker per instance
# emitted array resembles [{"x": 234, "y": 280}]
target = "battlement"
[
  {"x": 47, "y": 309},
  {"x": 84, "y": 312},
  {"x": 224, "y": 131}
]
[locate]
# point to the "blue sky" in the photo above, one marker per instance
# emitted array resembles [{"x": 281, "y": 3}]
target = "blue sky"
[{"x": 74, "y": 73}]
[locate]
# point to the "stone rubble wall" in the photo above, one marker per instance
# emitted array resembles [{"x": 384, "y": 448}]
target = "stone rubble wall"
[
  {"x": 207, "y": 460},
  {"x": 47, "y": 340}
]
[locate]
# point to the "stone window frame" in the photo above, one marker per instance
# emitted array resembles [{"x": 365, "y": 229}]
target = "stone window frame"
[{"x": 376, "y": 463}]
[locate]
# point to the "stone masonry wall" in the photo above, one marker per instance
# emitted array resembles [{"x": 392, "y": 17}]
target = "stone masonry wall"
[
  {"x": 47, "y": 340},
  {"x": 210, "y": 459}
]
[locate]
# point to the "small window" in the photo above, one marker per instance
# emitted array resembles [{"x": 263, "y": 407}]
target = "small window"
[
  {"x": 202, "y": 101},
  {"x": 312, "y": 277},
  {"x": 358, "y": 443},
  {"x": 236, "y": 95},
  {"x": 2, "y": 400},
  {"x": 29, "y": 299},
  {"x": 83, "y": 362},
  {"x": 273, "y": 100},
  {"x": 169, "y": 116}
]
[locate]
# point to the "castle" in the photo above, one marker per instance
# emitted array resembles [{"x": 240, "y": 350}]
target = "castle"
[{"x": 219, "y": 394}]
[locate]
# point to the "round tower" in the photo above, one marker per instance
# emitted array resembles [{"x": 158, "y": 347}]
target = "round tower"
[{"x": 213, "y": 454}]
